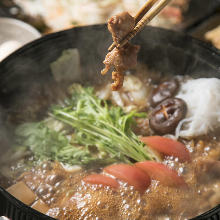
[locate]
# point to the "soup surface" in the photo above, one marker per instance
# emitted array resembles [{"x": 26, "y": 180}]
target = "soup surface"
[{"x": 81, "y": 160}]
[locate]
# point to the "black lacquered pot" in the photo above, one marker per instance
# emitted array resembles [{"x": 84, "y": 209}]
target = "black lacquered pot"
[{"x": 161, "y": 50}]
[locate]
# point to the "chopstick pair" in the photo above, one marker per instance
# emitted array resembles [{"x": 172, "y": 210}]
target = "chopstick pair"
[{"x": 143, "y": 17}]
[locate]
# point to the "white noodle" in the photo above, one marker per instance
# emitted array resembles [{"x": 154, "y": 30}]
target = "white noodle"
[{"x": 203, "y": 102}]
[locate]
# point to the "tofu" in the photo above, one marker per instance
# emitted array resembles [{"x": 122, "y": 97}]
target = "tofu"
[
  {"x": 21, "y": 192},
  {"x": 40, "y": 206}
]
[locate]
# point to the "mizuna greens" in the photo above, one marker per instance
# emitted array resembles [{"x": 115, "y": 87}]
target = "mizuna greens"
[{"x": 93, "y": 131}]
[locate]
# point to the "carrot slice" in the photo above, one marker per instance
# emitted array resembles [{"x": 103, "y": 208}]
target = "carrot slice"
[
  {"x": 162, "y": 173},
  {"x": 130, "y": 174},
  {"x": 101, "y": 179},
  {"x": 167, "y": 147}
]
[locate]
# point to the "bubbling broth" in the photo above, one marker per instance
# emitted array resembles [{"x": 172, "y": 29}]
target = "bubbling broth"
[{"x": 142, "y": 152}]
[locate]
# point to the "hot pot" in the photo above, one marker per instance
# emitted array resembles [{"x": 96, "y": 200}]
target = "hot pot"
[{"x": 162, "y": 50}]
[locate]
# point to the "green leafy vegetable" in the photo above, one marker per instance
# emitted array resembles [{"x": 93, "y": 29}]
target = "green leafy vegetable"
[
  {"x": 101, "y": 133},
  {"x": 47, "y": 144}
]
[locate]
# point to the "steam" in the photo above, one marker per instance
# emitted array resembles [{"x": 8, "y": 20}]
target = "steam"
[{"x": 67, "y": 66}]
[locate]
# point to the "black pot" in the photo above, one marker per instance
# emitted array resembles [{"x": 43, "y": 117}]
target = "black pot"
[{"x": 162, "y": 50}]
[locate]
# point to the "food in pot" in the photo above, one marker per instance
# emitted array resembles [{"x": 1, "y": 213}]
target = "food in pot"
[
  {"x": 163, "y": 91},
  {"x": 166, "y": 116},
  {"x": 95, "y": 155},
  {"x": 200, "y": 117}
]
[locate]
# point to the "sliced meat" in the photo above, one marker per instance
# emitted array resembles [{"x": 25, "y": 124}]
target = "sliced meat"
[
  {"x": 118, "y": 78},
  {"x": 121, "y": 58},
  {"x": 120, "y": 25}
]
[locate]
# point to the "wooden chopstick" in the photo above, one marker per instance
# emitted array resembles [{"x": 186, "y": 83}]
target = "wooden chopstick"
[
  {"x": 146, "y": 19},
  {"x": 150, "y": 14},
  {"x": 146, "y": 7}
]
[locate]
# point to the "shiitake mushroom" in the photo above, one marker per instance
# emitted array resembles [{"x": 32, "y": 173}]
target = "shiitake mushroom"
[
  {"x": 165, "y": 90},
  {"x": 166, "y": 116}
]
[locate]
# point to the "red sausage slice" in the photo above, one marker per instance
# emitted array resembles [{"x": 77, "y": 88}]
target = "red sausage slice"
[
  {"x": 130, "y": 174},
  {"x": 162, "y": 173},
  {"x": 101, "y": 179},
  {"x": 167, "y": 147}
]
